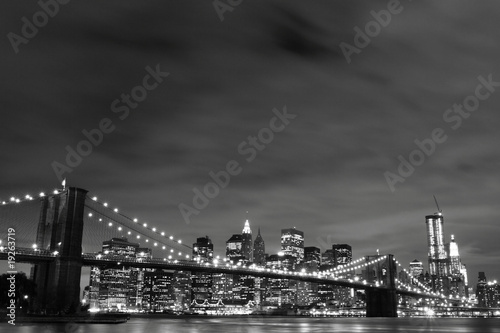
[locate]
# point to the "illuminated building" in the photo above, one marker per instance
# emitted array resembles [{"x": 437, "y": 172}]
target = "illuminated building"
[
  {"x": 416, "y": 268},
  {"x": 438, "y": 258},
  {"x": 118, "y": 288},
  {"x": 158, "y": 293},
  {"x": 458, "y": 272},
  {"x": 201, "y": 286},
  {"x": 292, "y": 243},
  {"x": 222, "y": 286},
  {"x": 259, "y": 250},
  {"x": 120, "y": 247},
  {"x": 342, "y": 254},
  {"x": 279, "y": 291},
  {"x": 247, "y": 245},
  {"x": 327, "y": 260},
  {"x": 234, "y": 248},
  {"x": 416, "y": 272},
  {"x": 312, "y": 259},
  {"x": 182, "y": 289},
  {"x": 202, "y": 282},
  {"x": 203, "y": 250}
]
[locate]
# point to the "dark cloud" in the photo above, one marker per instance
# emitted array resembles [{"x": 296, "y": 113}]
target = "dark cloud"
[{"x": 322, "y": 174}]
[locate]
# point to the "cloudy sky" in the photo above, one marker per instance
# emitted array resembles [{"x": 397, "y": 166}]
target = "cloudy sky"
[{"x": 324, "y": 173}]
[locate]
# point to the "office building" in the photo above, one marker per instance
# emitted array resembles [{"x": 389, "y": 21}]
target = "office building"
[
  {"x": 234, "y": 248},
  {"x": 457, "y": 271},
  {"x": 247, "y": 244},
  {"x": 437, "y": 255},
  {"x": 292, "y": 243},
  {"x": 312, "y": 259},
  {"x": 342, "y": 254},
  {"x": 117, "y": 289},
  {"x": 259, "y": 250},
  {"x": 203, "y": 250}
]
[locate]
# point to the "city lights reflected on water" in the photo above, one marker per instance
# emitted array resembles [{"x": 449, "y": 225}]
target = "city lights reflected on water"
[{"x": 256, "y": 324}]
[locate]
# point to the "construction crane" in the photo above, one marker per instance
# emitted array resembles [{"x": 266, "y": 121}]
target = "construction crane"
[{"x": 437, "y": 205}]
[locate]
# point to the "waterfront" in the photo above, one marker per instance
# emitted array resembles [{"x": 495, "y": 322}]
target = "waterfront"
[{"x": 197, "y": 324}]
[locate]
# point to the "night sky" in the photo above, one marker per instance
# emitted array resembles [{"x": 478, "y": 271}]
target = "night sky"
[{"x": 324, "y": 172}]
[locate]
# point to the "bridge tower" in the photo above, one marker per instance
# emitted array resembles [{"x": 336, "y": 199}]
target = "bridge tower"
[
  {"x": 60, "y": 228},
  {"x": 382, "y": 302}
]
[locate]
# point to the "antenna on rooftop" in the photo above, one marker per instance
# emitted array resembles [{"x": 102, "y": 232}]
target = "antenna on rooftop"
[{"x": 437, "y": 205}]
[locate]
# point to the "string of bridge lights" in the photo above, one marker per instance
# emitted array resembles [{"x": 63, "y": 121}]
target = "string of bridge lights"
[
  {"x": 27, "y": 197},
  {"x": 421, "y": 285},
  {"x": 356, "y": 264},
  {"x": 144, "y": 225}
]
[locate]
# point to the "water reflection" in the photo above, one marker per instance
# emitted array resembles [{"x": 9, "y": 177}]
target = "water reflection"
[{"x": 271, "y": 325}]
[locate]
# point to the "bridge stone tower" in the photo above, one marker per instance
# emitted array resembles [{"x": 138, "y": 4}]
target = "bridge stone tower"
[
  {"x": 60, "y": 228},
  {"x": 382, "y": 302}
]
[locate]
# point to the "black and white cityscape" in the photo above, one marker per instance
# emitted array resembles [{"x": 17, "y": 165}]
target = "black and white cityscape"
[
  {"x": 158, "y": 290},
  {"x": 206, "y": 166}
]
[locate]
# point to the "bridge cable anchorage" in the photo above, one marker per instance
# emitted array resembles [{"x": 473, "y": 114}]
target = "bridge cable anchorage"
[{"x": 141, "y": 229}]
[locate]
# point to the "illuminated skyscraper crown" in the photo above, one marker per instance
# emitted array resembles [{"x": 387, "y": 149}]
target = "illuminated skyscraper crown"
[
  {"x": 453, "y": 247},
  {"x": 246, "y": 229}
]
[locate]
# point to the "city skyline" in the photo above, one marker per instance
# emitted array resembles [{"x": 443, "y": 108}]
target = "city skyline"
[{"x": 329, "y": 130}]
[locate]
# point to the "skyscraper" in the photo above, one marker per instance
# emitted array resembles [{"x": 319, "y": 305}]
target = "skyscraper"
[
  {"x": 458, "y": 272},
  {"x": 438, "y": 264},
  {"x": 416, "y": 268},
  {"x": 312, "y": 258},
  {"x": 259, "y": 250},
  {"x": 121, "y": 287},
  {"x": 247, "y": 245},
  {"x": 292, "y": 243},
  {"x": 234, "y": 248},
  {"x": 342, "y": 254},
  {"x": 438, "y": 258},
  {"x": 202, "y": 282},
  {"x": 203, "y": 250},
  {"x": 455, "y": 263}
]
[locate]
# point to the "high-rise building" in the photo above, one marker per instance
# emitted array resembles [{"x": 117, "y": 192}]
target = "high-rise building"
[
  {"x": 327, "y": 260},
  {"x": 416, "y": 268},
  {"x": 182, "y": 290},
  {"x": 157, "y": 293},
  {"x": 117, "y": 288},
  {"x": 292, "y": 243},
  {"x": 342, "y": 254},
  {"x": 482, "y": 300},
  {"x": 259, "y": 250},
  {"x": 458, "y": 272},
  {"x": 247, "y": 244},
  {"x": 438, "y": 258},
  {"x": 203, "y": 250},
  {"x": 202, "y": 282},
  {"x": 234, "y": 248},
  {"x": 312, "y": 258},
  {"x": 119, "y": 246}
]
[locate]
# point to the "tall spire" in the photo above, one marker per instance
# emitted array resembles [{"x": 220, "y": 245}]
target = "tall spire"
[{"x": 246, "y": 229}]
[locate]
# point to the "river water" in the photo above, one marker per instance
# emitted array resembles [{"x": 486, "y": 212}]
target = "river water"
[{"x": 270, "y": 325}]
